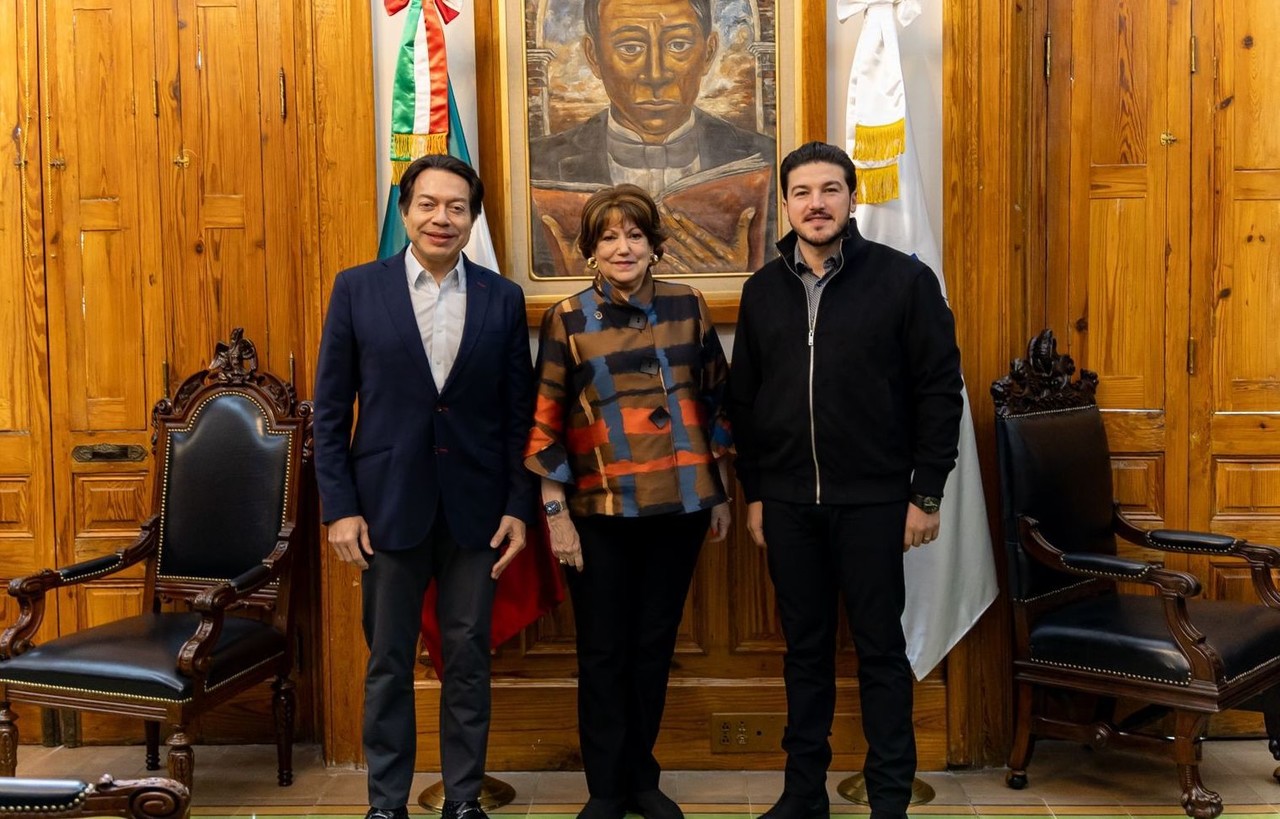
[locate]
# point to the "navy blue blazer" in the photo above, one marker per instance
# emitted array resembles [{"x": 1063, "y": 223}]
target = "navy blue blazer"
[{"x": 415, "y": 446}]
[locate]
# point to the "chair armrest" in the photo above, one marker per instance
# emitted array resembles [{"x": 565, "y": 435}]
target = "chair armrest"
[
  {"x": 1204, "y": 543},
  {"x": 30, "y": 590},
  {"x": 1105, "y": 567},
  {"x": 1261, "y": 559},
  {"x": 224, "y": 594},
  {"x": 151, "y": 798},
  {"x": 194, "y": 656},
  {"x": 1175, "y": 587}
]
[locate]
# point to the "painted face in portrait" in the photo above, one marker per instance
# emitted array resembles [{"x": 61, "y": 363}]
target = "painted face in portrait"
[
  {"x": 623, "y": 253},
  {"x": 438, "y": 219},
  {"x": 818, "y": 202},
  {"x": 651, "y": 57}
]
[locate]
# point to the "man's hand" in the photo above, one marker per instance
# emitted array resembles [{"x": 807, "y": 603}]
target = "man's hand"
[
  {"x": 564, "y": 540},
  {"x": 922, "y": 527},
  {"x": 568, "y": 250},
  {"x": 510, "y": 531},
  {"x": 721, "y": 517},
  {"x": 755, "y": 522},
  {"x": 349, "y": 537},
  {"x": 691, "y": 248}
]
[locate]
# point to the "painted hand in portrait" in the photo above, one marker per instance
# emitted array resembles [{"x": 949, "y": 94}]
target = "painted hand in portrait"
[{"x": 676, "y": 96}]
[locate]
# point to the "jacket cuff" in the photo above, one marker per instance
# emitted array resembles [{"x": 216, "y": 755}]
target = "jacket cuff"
[
  {"x": 929, "y": 482},
  {"x": 552, "y": 463},
  {"x": 750, "y": 486}
]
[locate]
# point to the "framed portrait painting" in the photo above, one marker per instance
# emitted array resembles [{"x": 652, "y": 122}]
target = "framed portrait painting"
[{"x": 695, "y": 101}]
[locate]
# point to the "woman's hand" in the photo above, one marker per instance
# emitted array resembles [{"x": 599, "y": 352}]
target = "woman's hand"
[
  {"x": 721, "y": 517},
  {"x": 564, "y": 540}
]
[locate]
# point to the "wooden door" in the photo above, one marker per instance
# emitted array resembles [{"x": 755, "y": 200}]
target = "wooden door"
[
  {"x": 104, "y": 281},
  {"x": 1117, "y": 278},
  {"x": 1235, "y": 292},
  {"x": 26, "y": 498},
  {"x": 226, "y": 174},
  {"x": 230, "y": 244}
]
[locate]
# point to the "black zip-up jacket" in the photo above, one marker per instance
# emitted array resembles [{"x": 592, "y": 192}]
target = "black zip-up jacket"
[{"x": 869, "y": 410}]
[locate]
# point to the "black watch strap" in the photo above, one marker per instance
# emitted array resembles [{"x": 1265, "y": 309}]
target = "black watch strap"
[{"x": 928, "y": 503}]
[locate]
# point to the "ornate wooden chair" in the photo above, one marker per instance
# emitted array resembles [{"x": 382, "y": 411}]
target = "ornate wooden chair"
[
  {"x": 1075, "y": 630},
  {"x": 229, "y": 449},
  {"x": 56, "y": 798}
]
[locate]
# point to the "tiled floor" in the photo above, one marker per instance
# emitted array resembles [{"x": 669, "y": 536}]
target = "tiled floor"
[{"x": 1065, "y": 780}]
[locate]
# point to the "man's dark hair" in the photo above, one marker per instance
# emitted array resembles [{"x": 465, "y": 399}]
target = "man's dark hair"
[
  {"x": 591, "y": 17},
  {"x": 442, "y": 162},
  {"x": 812, "y": 152}
]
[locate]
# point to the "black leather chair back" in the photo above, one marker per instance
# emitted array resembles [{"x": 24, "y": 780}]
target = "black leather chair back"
[
  {"x": 225, "y": 479},
  {"x": 1055, "y": 467}
]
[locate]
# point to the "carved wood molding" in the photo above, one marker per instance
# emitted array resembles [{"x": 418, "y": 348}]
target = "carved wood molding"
[{"x": 1042, "y": 381}]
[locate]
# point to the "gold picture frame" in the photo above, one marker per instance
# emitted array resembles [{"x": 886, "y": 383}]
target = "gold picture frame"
[{"x": 503, "y": 61}]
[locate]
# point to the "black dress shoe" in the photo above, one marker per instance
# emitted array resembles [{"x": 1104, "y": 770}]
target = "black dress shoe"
[
  {"x": 462, "y": 809},
  {"x": 387, "y": 813},
  {"x": 654, "y": 804},
  {"x": 601, "y": 808},
  {"x": 790, "y": 806}
]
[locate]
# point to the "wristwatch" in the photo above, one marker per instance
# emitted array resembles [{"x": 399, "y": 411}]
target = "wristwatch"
[
  {"x": 553, "y": 508},
  {"x": 928, "y": 503}
]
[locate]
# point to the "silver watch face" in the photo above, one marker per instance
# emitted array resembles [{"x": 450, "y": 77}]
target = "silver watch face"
[{"x": 554, "y": 507}]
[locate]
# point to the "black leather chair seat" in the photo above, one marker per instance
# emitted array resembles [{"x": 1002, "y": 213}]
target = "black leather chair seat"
[
  {"x": 1127, "y": 635},
  {"x": 40, "y": 795},
  {"x": 136, "y": 656}
]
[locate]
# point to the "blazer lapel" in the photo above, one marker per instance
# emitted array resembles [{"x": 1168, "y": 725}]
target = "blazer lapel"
[
  {"x": 395, "y": 295},
  {"x": 478, "y": 292}
]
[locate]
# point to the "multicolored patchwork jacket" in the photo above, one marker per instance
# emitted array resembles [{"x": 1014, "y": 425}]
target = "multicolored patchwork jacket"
[{"x": 630, "y": 411}]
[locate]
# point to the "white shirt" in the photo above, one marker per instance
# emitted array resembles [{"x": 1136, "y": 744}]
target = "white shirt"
[{"x": 440, "y": 310}]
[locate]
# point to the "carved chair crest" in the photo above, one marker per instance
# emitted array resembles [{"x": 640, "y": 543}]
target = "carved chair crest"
[{"x": 1042, "y": 381}]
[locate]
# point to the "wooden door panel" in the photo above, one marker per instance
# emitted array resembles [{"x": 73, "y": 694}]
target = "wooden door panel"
[
  {"x": 1123, "y": 284},
  {"x": 1236, "y": 293},
  {"x": 1112, "y": 282},
  {"x": 103, "y": 270},
  {"x": 232, "y": 250},
  {"x": 26, "y": 506},
  {"x": 98, "y": 240}
]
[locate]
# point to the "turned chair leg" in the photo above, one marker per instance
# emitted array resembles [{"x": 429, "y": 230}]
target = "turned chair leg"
[
  {"x": 153, "y": 744},
  {"x": 1198, "y": 801},
  {"x": 8, "y": 740},
  {"x": 1023, "y": 743},
  {"x": 181, "y": 758},
  {"x": 282, "y": 707}
]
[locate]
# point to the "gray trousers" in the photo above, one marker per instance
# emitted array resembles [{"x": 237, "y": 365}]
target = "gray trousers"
[{"x": 393, "y": 588}]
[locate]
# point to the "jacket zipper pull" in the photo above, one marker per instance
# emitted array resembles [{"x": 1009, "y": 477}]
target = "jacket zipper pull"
[{"x": 811, "y": 337}]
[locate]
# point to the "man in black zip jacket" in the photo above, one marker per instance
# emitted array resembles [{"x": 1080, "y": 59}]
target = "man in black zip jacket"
[{"x": 844, "y": 396}]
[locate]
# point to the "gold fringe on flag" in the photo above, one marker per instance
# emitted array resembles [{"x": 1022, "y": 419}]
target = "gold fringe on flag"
[
  {"x": 412, "y": 146},
  {"x": 407, "y": 147},
  {"x": 877, "y": 143},
  {"x": 879, "y": 184}
]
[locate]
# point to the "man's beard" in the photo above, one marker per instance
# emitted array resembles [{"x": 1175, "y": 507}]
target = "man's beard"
[{"x": 824, "y": 234}]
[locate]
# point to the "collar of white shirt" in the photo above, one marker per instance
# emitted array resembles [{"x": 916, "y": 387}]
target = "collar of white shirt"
[{"x": 413, "y": 269}]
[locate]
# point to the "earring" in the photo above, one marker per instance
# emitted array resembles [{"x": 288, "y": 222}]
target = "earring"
[
  {"x": 592, "y": 263},
  {"x": 654, "y": 258}
]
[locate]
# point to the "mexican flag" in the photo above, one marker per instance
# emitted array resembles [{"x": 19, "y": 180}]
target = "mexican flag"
[{"x": 951, "y": 581}]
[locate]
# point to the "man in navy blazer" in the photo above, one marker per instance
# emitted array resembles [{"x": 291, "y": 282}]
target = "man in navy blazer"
[{"x": 435, "y": 349}]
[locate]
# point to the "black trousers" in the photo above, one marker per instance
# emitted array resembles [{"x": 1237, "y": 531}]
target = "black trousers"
[
  {"x": 627, "y": 605},
  {"x": 393, "y": 588},
  {"x": 815, "y": 553}
]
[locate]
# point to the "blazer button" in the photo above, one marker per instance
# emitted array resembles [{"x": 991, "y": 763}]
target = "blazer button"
[{"x": 441, "y": 408}]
